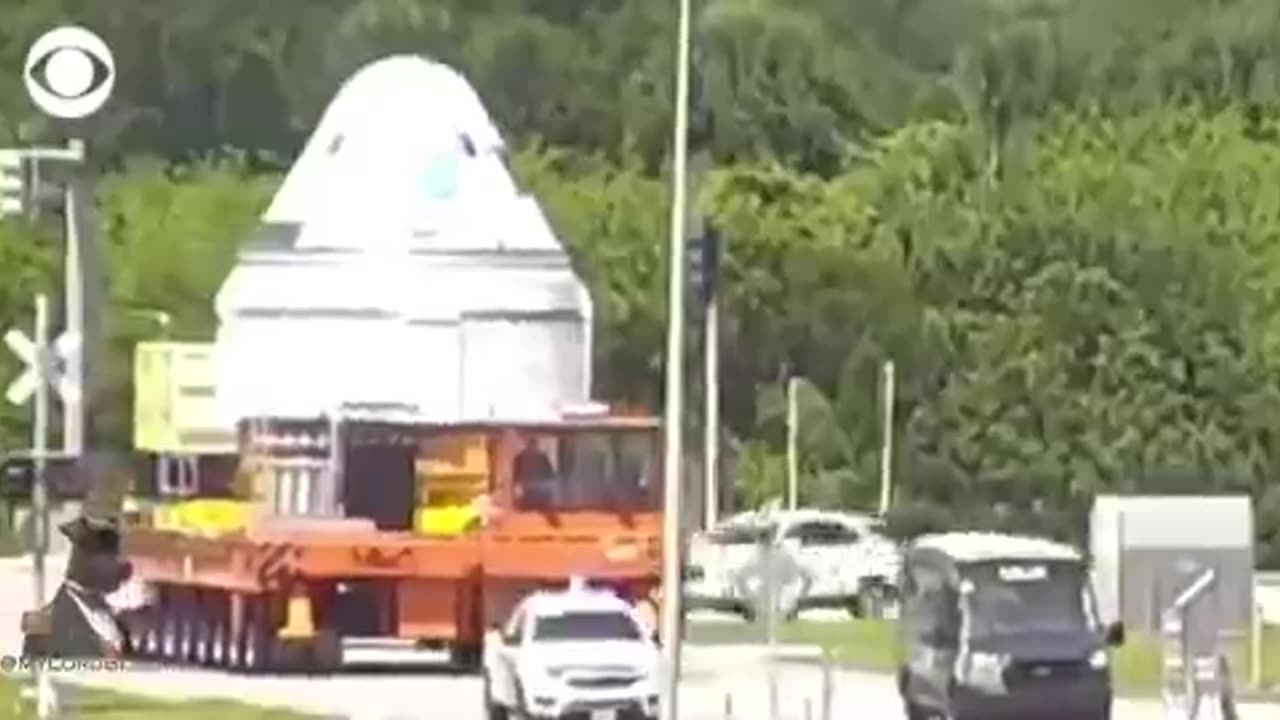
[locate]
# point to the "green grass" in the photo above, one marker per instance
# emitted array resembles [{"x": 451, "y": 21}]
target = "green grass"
[
  {"x": 105, "y": 705},
  {"x": 872, "y": 645}
]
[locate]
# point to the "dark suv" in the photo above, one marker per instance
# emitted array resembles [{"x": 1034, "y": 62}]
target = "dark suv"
[{"x": 1001, "y": 626}]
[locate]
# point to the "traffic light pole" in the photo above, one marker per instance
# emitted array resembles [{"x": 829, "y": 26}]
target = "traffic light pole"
[{"x": 23, "y": 191}]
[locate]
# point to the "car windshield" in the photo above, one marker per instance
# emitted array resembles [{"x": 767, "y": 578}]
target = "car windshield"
[
  {"x": 586, "y": 625},
  {"x": 1016, "y": 598}
]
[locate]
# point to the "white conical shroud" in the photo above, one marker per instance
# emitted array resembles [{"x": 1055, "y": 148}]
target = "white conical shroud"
[{"x": 400, "y": 265}]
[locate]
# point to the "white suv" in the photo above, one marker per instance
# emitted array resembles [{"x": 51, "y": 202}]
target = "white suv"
[
  {"x": 573, "y": 653},
  {"x": 823, "y": 559}
]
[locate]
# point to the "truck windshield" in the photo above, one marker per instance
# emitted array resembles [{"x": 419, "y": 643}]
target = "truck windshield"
[
  {"x": 1019, "y": 598},
  {"x": 608, "y": 469},
  {"x": 584, "y": 625}
]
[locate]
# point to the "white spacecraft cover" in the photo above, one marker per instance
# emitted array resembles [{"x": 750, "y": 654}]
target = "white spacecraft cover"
[
  {"x": 403, "y": 155},
  {"x": 404, "y": 159}
]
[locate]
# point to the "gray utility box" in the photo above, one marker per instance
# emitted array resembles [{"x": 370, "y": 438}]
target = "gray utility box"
[{"x": 1147, "y": 549}]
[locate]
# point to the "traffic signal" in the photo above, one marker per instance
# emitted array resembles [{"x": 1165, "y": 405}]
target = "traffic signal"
[
  {"x": 14, "y": 182},
  {"x": 29, "y": 186},
  {"x": 62, "y": 472},
  {"x": 705, "y": 256}
]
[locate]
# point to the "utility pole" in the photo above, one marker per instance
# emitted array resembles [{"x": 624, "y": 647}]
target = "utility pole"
[
  {"x": 45, "y": 698},
  {"x": 73, "y": 423},
  {"x": 793, "y": 442},
  {"x": 711, "y": 355},
  {"x": 888, "y": 395},
  {"x": 673, "y": 420}
]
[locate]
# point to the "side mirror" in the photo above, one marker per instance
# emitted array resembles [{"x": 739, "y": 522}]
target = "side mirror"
[{"x": 1115, "y": 634}]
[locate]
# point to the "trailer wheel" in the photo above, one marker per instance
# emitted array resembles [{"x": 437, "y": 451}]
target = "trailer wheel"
[
  {"x": 201, "y": 628},
  {"x": 178, "y": 615},
  {"x": 231, "y": 647},
  {"x": 220, "y": 629},
  {"x": 254, "y": 656},
  {"x": 148, "y": 637},
  {"x": 212, "y": 612},
  {"x": 289, "y": 656},
  {"x": 326, "y": 651},
  {"x": 168, "y": 622},
  {"x": 466, "y": 657},
  {"x": 189, "y": 627}
]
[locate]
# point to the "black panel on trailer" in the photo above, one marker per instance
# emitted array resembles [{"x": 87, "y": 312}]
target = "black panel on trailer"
[{"x": 378, "y": 483}]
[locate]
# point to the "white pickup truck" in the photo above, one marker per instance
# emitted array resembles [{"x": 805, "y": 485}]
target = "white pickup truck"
[
  {"x": 573, "y": 653},
  {"x": 821, "y": 559}
]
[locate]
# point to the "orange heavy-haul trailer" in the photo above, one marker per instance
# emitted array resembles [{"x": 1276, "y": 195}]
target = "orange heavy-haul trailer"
[{"x": 437, "y": 545}]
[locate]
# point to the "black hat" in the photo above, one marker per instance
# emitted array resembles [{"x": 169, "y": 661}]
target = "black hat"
[{"x": 102, "y": 506}]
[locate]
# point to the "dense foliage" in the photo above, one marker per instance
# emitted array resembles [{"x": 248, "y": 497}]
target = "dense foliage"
[{"x": 1059, "y": 218}]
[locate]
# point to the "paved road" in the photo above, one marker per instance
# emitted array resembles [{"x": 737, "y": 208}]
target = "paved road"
[{"x": 710, "y": 674}]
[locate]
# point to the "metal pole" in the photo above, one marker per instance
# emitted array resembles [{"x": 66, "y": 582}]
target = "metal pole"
[
  {"x": 711, "y": 438},
  {"x": 1255, "y": 645},
  {"x": 793, "y": 442},
  {"x": 886, "y": 447},
  {"x": 74, "y": 297},
  {"x": 40, "y": 491},
  {"x": 673, "y": 421}
]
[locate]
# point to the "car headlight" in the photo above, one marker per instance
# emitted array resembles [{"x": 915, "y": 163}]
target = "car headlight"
[
  {"x": 1099, "y": 660},
  {"x": 986, "y": 672}
]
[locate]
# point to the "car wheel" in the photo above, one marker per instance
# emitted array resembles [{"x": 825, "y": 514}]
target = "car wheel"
[
  {"x": 493, "y": 709},
  {"x": 789, "y": 597},
  {"x": 521, "y": 710},
  {"x": 916, "y": 712}
]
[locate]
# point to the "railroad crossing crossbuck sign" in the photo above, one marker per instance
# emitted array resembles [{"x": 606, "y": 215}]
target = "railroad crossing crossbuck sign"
[{"x": 43, "y": 365}]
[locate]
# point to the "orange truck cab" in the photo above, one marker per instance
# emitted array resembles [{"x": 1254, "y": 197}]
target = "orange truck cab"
[{"x": 364, "y": 534}]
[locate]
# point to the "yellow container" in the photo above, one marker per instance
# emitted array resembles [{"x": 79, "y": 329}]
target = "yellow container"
[
  {"x": 449, "y": 520},
  {"x": 204, "y": 516}
]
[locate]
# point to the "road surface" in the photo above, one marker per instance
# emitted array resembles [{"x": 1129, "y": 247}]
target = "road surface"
[{"x": 713, "y": 676}]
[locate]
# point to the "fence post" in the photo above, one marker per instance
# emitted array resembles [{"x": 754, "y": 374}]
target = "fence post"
[
  {"x": 808, "y": 709},
  {"x": 828, "y": 688},
  {"x": 728, "y": 706},
  {"x": 773, "y": 692},
  {"x": 1255, "y": 645}
]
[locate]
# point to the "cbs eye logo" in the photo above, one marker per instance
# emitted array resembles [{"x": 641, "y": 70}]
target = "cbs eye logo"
[{"x": 69, "y": 72}]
